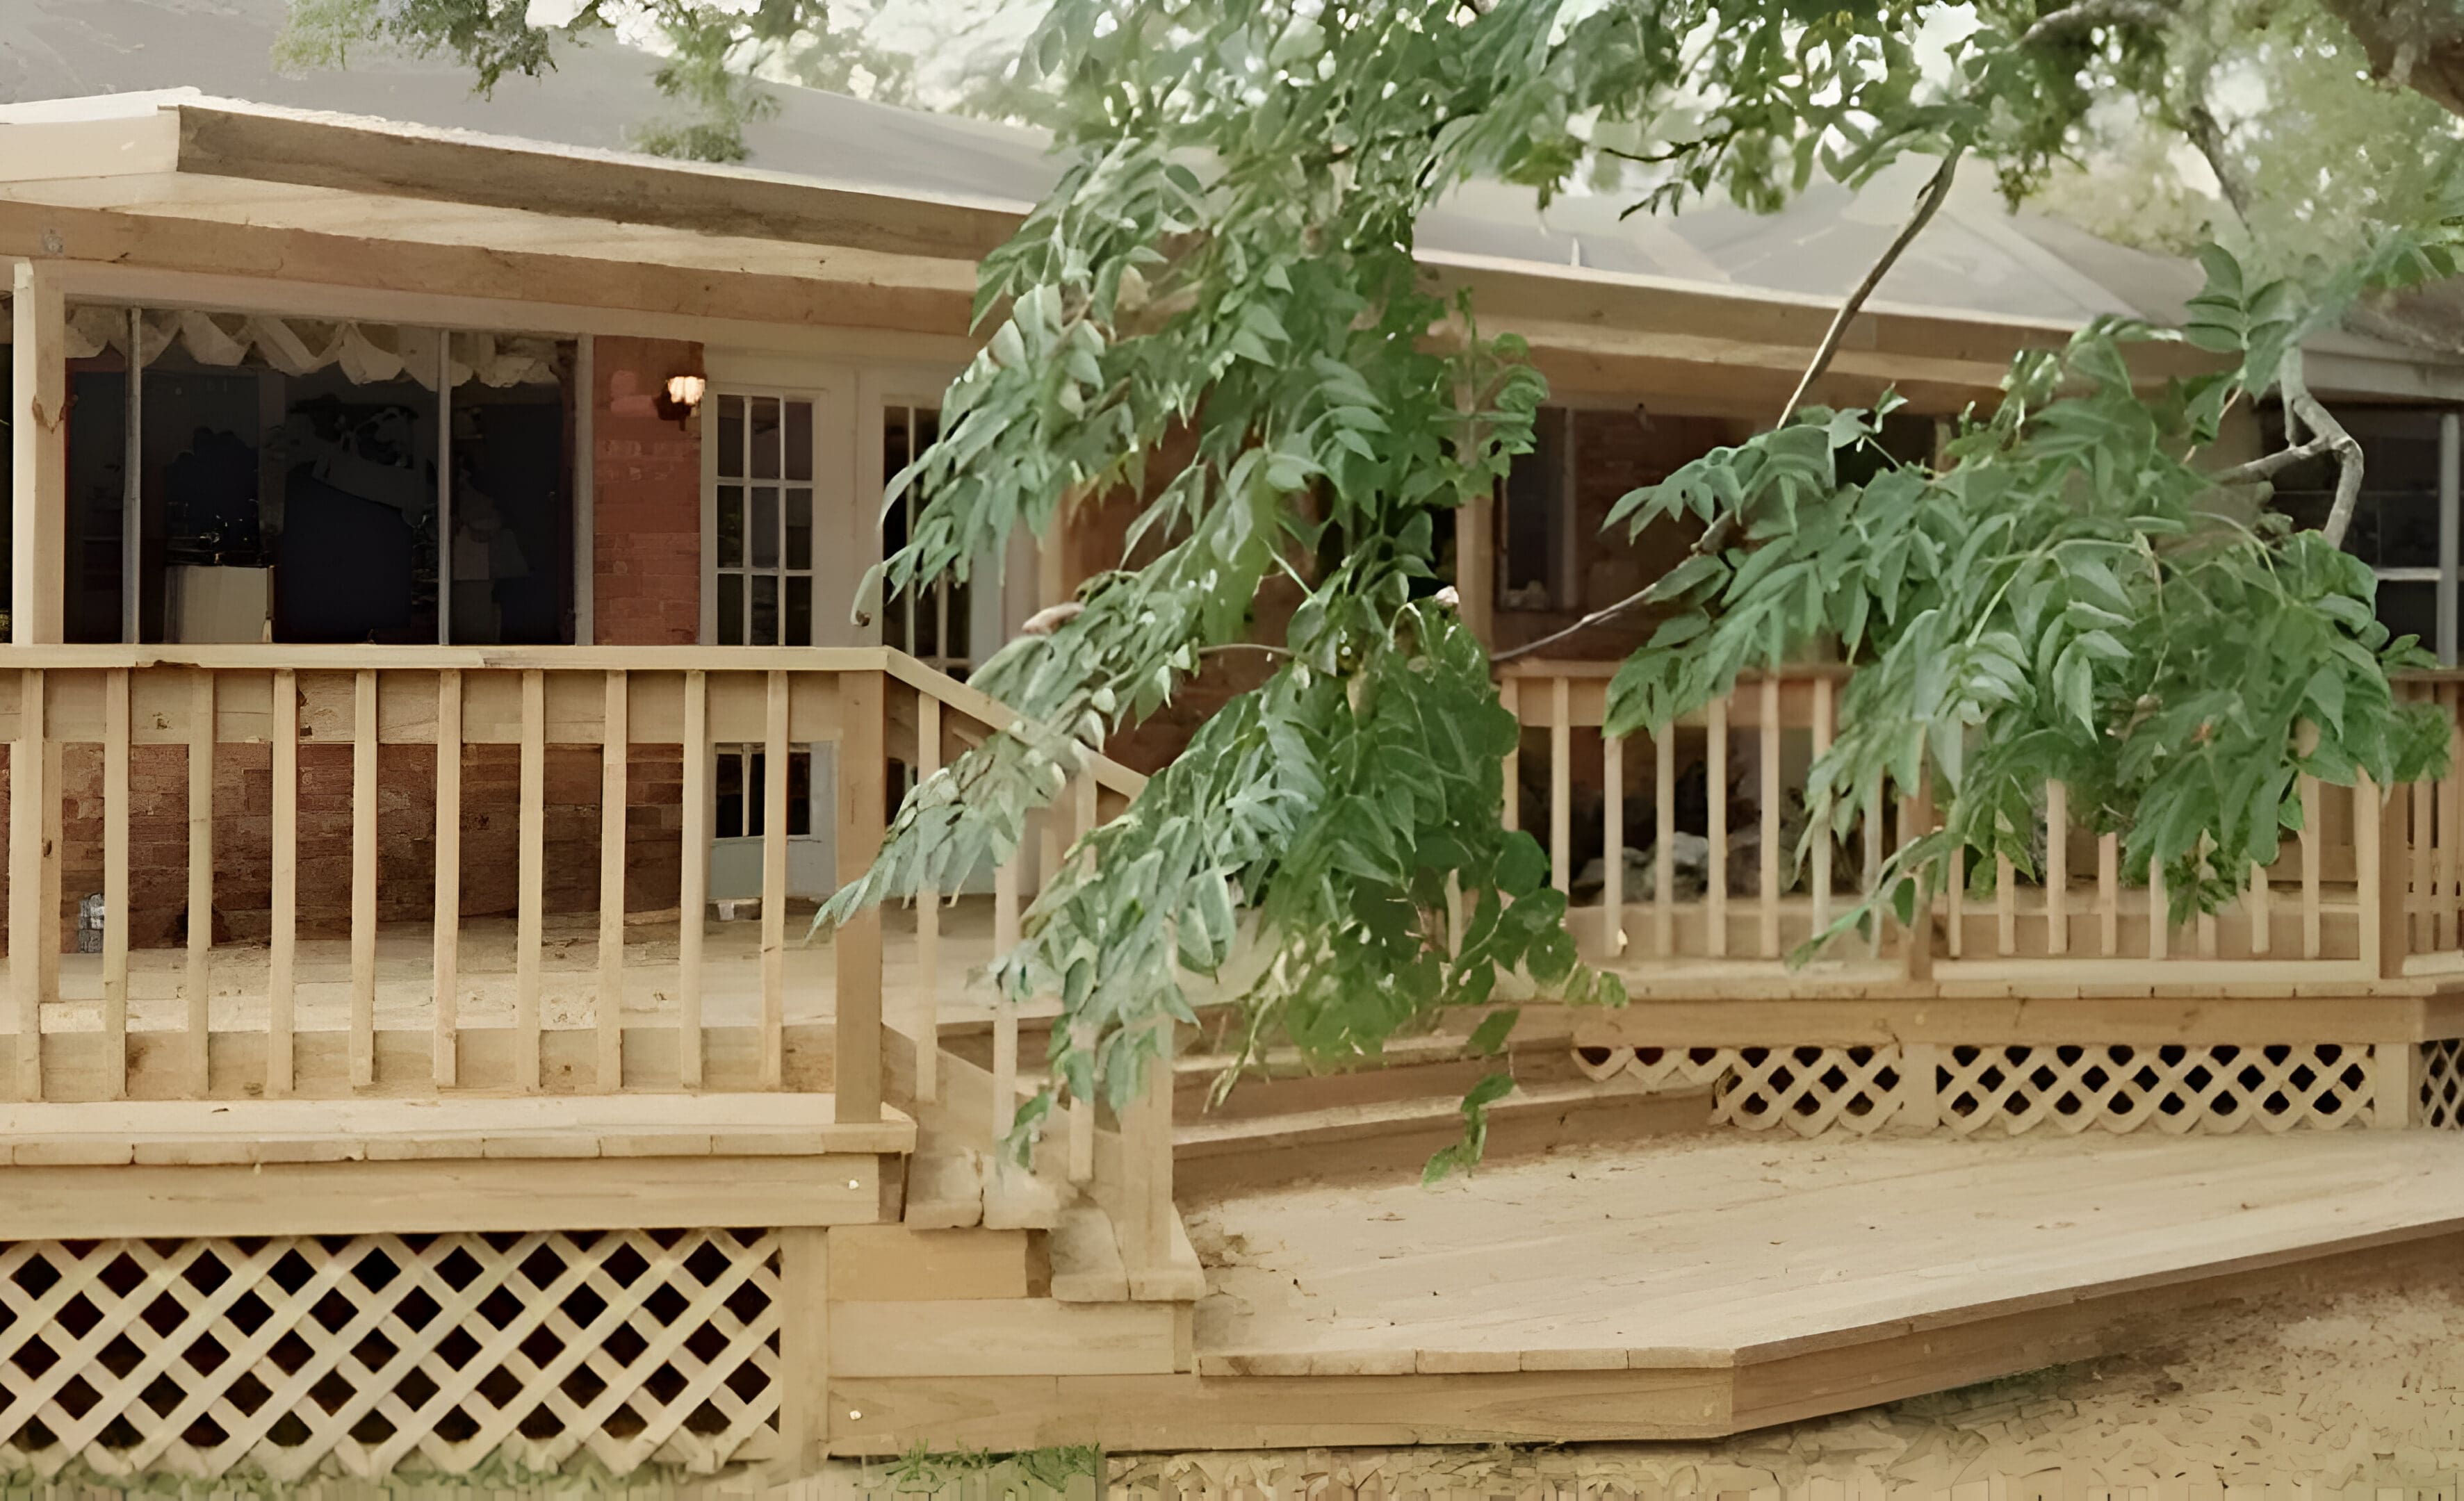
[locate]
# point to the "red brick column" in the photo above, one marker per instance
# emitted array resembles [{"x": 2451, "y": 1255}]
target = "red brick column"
[{"x": 645, "y": 576}]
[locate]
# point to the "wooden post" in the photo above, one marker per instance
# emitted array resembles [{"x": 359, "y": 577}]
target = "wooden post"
[
  {"x": 38, "y": 440},
  {"x": 2384, "y": 870},
  {"x": 531, "y": 898},
  {"x": 1476, "y": 566},
  {"x": 1916, "y": 820},
  {"x": 445, "y": 1065},
  {"x": 861, "y": 819},
  {"x": 803, "y": 1349},
  {"x": 28, "y": 789},
  {"x": 774, "y": 881},
  {"x": 197, "y": 986},
  {"x": 363, "y": 881},
  {"x": 115, "y": 879},
  {"x": 615, "y": 747},
  {"x": 283, "y": 946},
  {"x": 1146, "y": 1149},
  {"x": 928, "y": 922},
  {"x": 2391, "y": 1066},
  {"x": 692, "y": 881},
  {"x": 1561, "y": 784}
]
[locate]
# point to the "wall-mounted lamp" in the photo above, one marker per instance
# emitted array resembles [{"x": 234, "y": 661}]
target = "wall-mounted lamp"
[{"x": 682, "y": 399}]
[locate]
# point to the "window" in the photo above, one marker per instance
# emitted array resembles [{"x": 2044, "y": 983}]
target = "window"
[
  {"x": 2404, "y": 522},
  {"x": 763, "y": 492},
  {"x": 930, "y": 620},
  {"x": 1535, "y": 518},
  {"x": 742, "y": 783},
  {"x": 239, "y": 477}
]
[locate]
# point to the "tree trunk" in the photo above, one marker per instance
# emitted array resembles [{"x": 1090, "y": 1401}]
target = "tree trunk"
[{"x": 2412, "y": 44}]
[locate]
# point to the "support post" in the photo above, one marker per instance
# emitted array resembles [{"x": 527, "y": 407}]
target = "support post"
[
  {"x": 803, "y": 1350},
  {"x": 39, "y": 443},
  {"x": 1476, "y": 566},
  {"x": 862, "y": 820}
]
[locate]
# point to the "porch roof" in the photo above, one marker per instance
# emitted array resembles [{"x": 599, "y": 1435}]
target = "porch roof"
[{"x": 177, "y": 181}]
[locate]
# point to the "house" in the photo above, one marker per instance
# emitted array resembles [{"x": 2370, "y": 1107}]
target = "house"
[{"x": 445, "y": 666}]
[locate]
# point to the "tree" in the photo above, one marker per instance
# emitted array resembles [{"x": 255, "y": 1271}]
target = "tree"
[
  {"x": 1225, "y": 268},
  {"x": 715, "y": 58},
  {"x": 1228, "y": 254}
]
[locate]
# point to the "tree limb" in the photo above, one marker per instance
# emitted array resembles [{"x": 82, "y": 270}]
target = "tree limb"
[
  {"x": 2095, "y": 12},
  {"x": 2324, "y": 428},
  {"x": 1930, "y": 200},
  {"x": 1596, "y": 617},
  {"x": 2272, "y": 464}
]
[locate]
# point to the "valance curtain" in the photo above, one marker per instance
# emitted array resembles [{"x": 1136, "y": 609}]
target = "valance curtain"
[{"x": 365, "y": 352}]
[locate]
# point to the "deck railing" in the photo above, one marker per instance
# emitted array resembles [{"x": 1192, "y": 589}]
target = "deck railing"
[{"x": 2370, "y": 888}]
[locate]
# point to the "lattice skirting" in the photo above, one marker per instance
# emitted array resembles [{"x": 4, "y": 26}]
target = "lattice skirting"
[
  {"x": 2010, "y": 1090},
  {"x": 360, "y": 1353}
]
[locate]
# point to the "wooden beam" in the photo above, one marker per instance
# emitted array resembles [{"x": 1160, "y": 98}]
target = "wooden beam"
[{"x": 38, "y": 440}]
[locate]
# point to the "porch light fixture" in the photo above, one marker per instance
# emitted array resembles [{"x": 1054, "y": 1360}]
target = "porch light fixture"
[{"x": 681, "y": 402}]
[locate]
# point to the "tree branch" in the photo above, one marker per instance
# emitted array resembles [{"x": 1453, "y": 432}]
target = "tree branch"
[
  {"x": 2324, "y": 427},
  {"x": 2086, "y": 14},
  {"x": 1930, "y": 200},
  {"x": 1596, "y": 617},
  {"x": 2272, "y": 464}
]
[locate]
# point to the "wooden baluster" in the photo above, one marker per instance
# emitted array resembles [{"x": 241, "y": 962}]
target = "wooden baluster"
[
  {"x": 1825, "y": 711},
  {"x": 1954, "y": 903},
  {"x": 692, "y": 899},
  {"x": 28, "y": 789},
  {"x": 1005, "y": 885},
  {"x": 1872, "y": 833},
  {"x": 928, "y": 922},
  {"x": 2108, "y": 894},
  {"x": 47, "y": 943},
  {"x": 279, "y": 994},
  {"x": 2451, "y": 820},
  {"x": 1767, "y": 867},
  {"x": 1612, "y": 845},
  {"x": 529, "y": 913},
  {"x": 1664, "y": 833},
  {"x": 2207, "y": 923},
  {"x": 2057, "y": 868},
  {"x": 1916, "y": 821},
  {"x": 1715, "y": 785},
  {"x": 2005, "y": 905},
  {"x": 615, "y": 753},
  {"x": 1561, "y": 785},
  {"x": 1509, "y": 697},
  {"x": 2418, "y": 903},
  {"x": 2160, "y": 912},
  {"x": 1081, "y": 795},
  {"x": 115, "y": 879},
  {"x": 774, "y": 881},
  {"x": 2379, "y": 874},
  {"x": 197, "y": 985},
  {"x": 2312, "y": 846},
  {"x": 445, "y": 1064},
  {"x": 363, "y": 880},
  {"x": 863, "y": 816}
]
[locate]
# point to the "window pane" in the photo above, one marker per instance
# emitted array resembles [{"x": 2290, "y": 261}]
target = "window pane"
[
  {"x": 2407, "y": 530},
  {"x": 731, "y": 609},
  {"x": 928, "y": 610},
  {"x": 800, "y": 792},
  {"x": 757, "y": 787},
  {"x": 894, "y": 442},
  {"x": 800, "y": 610},
  {"x": 959, "y": 639},
  {"x": 765, "y": 526},
  {"x": 728, "y": 785},
  {"x": 2411, "y": 609},
  {"x": 766, "y": 437},
  {"x": 731, "y": 526},
  {"x": 730, "y": 436},
  {"x": 764, "y": 629},
  {"x": 928, "y": 427},
  {"x": 799, "y": 440},
  {"x": 799, "y": 529}
]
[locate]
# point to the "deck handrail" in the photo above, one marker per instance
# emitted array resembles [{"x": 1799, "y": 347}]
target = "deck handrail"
[{"x": 2373, "y": 882}]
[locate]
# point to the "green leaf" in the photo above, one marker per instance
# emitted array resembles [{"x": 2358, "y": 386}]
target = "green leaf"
[{"x": 1490, "y": 1036}]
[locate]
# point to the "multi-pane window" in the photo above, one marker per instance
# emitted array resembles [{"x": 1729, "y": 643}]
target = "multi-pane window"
[
  {"x": 764, "y": 563},
  {"x": 741, "y": 785},
  {"x": 928, "y": 619},
  {"x": 2405, "y": 523}
]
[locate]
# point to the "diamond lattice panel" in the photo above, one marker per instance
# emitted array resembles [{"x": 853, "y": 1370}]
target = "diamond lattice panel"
[
  {"x": 286, "y": 1354},
  {"x": 2441, "y": 1068},
  {"x": 1811, "y": 1090},
  {"x": 2175, "y": 1090}
]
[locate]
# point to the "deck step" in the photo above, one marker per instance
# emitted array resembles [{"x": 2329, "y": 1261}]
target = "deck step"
[
  {"x": 1015, "y": 1199},
  {"x": 1087, "y": 1257},
  {"x": 1227, "y": 1155},
  {"x": 945, "y": 1188}
]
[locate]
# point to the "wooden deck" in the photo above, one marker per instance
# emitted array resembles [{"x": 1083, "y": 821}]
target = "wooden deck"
[{"x": 1710, "y": 1285}]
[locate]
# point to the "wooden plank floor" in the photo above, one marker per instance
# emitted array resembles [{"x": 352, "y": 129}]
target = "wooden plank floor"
[{"x": 1734, "y": 1249}]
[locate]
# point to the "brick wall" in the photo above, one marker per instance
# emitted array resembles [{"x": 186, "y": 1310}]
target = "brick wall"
[{"x": 645, "y": 580}]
